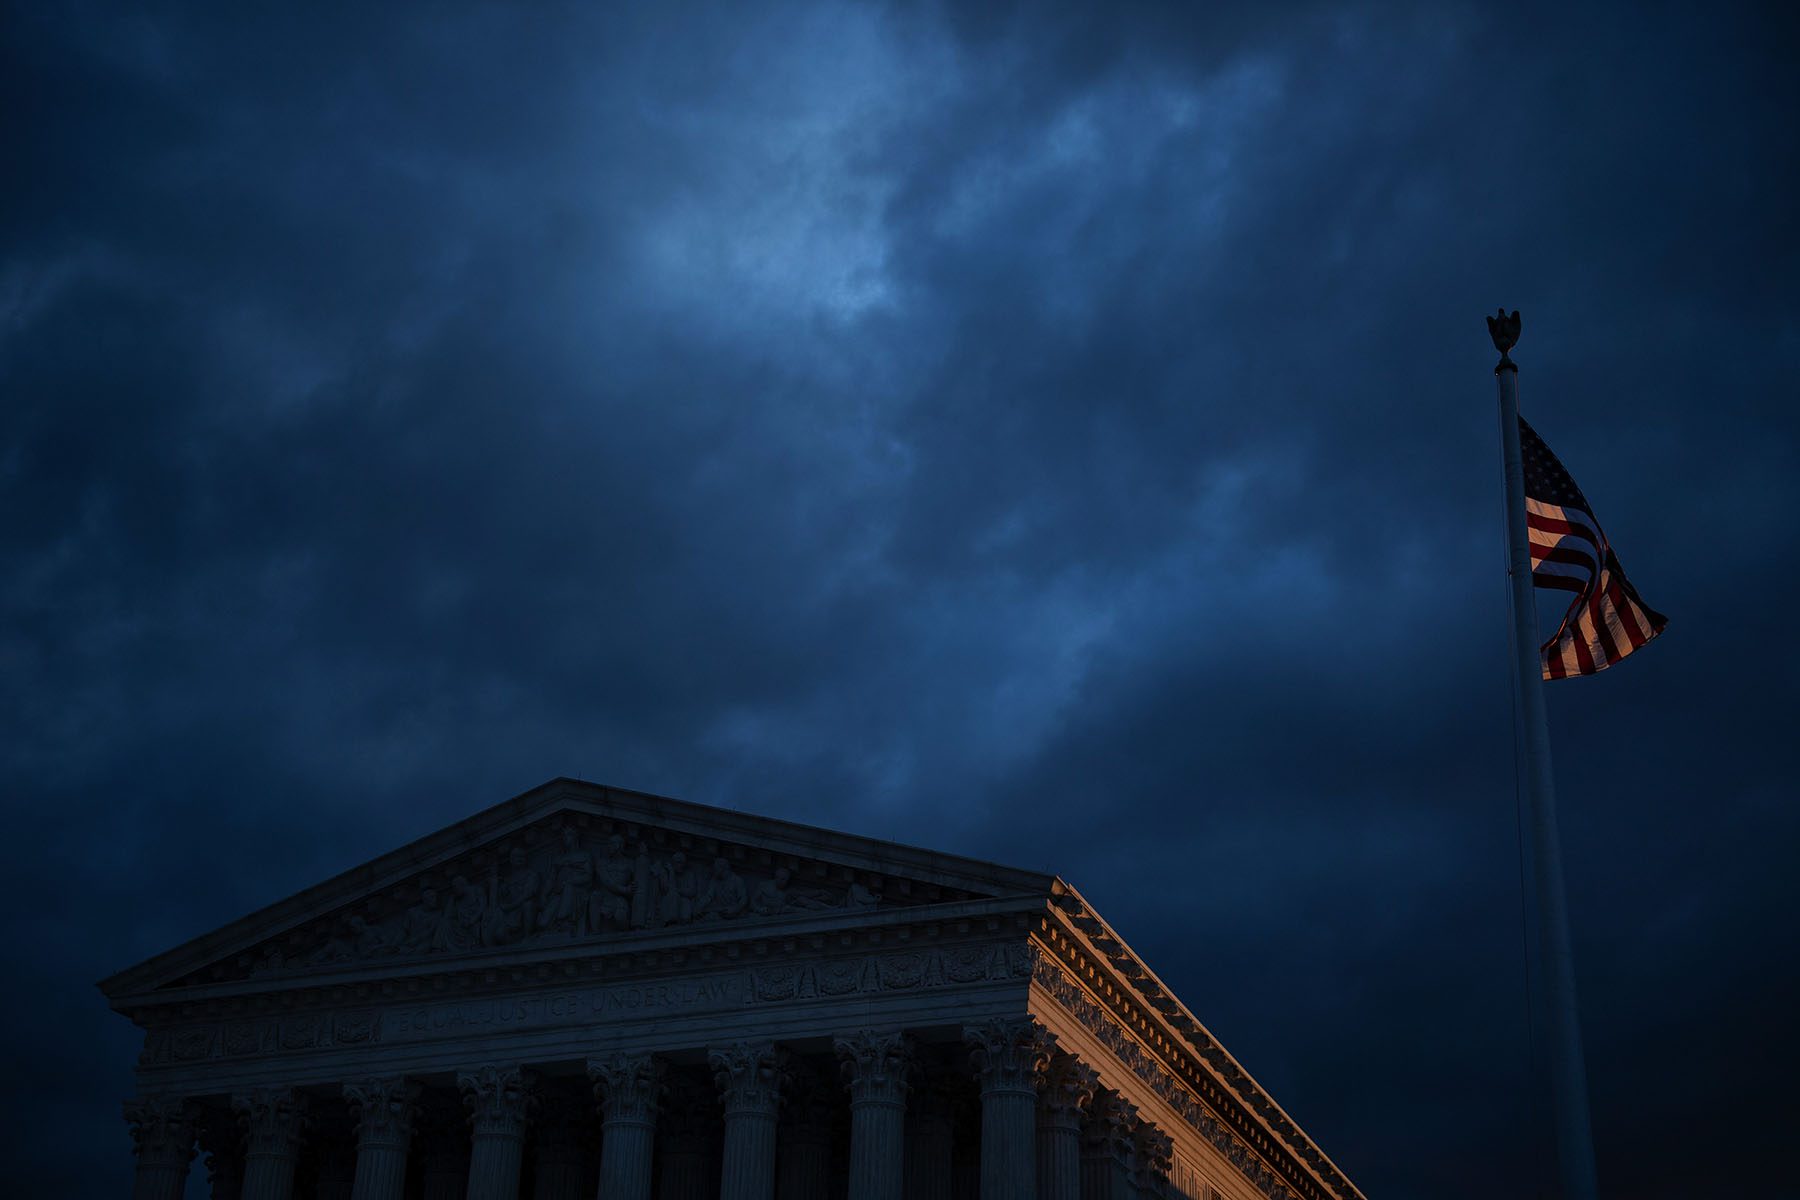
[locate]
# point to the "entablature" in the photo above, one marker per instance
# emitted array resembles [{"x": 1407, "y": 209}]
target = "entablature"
[{"x": 1089, "y": 970}]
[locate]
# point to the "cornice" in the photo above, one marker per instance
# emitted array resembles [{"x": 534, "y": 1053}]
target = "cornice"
[{"x": 1082, "y": 947}]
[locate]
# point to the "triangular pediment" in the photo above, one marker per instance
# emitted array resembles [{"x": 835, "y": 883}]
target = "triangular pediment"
[{"x": 566, "y": 865}]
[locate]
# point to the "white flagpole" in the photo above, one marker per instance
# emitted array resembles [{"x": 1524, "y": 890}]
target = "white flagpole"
[{"x": 1555, "y": 960}]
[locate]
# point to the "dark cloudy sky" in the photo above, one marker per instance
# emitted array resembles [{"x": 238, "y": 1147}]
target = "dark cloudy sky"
[{"x": 1057, "y": 434}]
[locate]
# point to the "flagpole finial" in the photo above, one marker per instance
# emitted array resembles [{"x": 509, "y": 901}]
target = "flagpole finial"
[{"x": 1505, "y": 332}]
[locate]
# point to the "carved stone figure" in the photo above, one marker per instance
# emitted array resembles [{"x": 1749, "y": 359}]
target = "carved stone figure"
[
  {"x": 512, "y": 906},
  {"x": 571, "y": 881},
  {"x": 419, "y": 931},
  {"x": 724, "y": 894},
  {"x": 678, "y": 886},
  {"x": 778, "y": 895},
  {"x": 617, "y": 875},
  {"x": 860, "y": 897},
  {"x": 463, "y": 916}
]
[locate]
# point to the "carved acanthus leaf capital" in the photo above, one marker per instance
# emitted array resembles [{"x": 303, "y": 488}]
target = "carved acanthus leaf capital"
[
  {"x": 628, "y": 1087},
  {"x": 385, "y": 1110},
  {"x": 750, "y": 1076},
  {"x": 163, "y": 1128},
  {"x": 274, "y": 1120},
  {"x": 1009, "y": 1053},
  {"x": 1069, "y": 1086},
  {"x": 1111, "y": 1124},
  {"x": 1153, "y": 1155},
  {"x": 499, "y": 1100},
  {"x": 875, "y": 1064}
]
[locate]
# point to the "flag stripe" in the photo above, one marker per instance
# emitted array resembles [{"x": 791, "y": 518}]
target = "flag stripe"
[{"x": 1606, "y": 620}]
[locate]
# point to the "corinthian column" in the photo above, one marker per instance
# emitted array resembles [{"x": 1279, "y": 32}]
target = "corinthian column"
[
  {"x": 749, "y": 1075},
  {"x": 499, "y": 1103},
  {"x": 1106, "y": 1154},
  {"x": 629, "y": 1089},
  {"x": 875, "y": 1064},
  {"x": 1010, "y": 1055},
  {"x": 162, "y": 1131},
  {"x": 1068, "y": 1088},
  {"x": 384, "y": 1111},
  {"x": 1152, "y": 1153},
  {"x": 274, "y": 1121}
]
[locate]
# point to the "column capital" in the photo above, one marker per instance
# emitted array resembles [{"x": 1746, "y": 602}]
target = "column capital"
[
  {"x": 1109, "y": 1129},
  {"x": 1069, "y": 1086},
  {"x": 1153, "y": 1155},
  {"x": 1010, "y": 1054},
  {"x": 274, "y": 1120},
  {"x": 875, "y": 1065},
  {"x": 749, "y": 1076},
  {"x": 628, "y": 1087},
  {"x": 163, "y": 1129},
  {"x": 499, "y": 1099},
  {"x": 385, "y": 1110}
]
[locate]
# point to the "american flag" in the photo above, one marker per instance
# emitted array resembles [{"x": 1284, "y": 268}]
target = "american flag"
[{"x": 1606, "y": 620}]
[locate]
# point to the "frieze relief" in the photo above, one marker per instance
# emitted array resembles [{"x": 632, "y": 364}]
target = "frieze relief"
[
  {"x": 423, "y": 1020},
  {"x": 560, "y": 882}
]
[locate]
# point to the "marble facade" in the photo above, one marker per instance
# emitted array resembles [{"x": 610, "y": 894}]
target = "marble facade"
[{"x": 586, "y": 991}]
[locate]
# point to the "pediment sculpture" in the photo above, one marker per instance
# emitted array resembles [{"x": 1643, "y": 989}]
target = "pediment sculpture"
[{"x": 576, "y": 884}]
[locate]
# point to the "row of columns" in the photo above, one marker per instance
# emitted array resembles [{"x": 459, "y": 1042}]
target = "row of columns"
[{"x": 1047, "y": 1131}]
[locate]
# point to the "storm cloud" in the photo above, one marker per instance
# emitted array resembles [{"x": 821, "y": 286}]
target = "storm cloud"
[{"x": 1056, "y": 434}]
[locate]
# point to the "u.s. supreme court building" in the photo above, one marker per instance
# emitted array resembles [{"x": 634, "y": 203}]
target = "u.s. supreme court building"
[{"x": 589, "y": 991}]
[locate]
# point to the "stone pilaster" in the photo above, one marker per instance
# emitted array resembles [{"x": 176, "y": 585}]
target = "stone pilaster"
[
  {"x": 499, "y": 1102},
  {"x": 274, "y": 1121},
  {"x": 384, "y": 1111},
  {"x": 931, "y": 1136},
  {"x": 804, "y": 1135},
  {"x": 1010, "y": 1055},
  {"x": 688, "y": 1139},
  {"x": 875, "y": 1066},
  {"x": 1069, "y": 1086},
  {"x": 162, "y": 1133},
  {"x": 749, "y": 1075},
  {"x": 629, "y": 1089},
  {"x": 1152, "y": 1156},
  {"x": 1106, "y": 1148}
]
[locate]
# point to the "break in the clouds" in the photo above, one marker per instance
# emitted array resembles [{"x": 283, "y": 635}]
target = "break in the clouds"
[{"x": 1061, "y": 434}]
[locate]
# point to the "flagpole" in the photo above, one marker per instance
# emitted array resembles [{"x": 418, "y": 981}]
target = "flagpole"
[{"x": 1555, "y": 959}]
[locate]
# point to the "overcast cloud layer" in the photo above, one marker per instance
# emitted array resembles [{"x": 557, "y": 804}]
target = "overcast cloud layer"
[{"x": 1061, "y": 435}]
